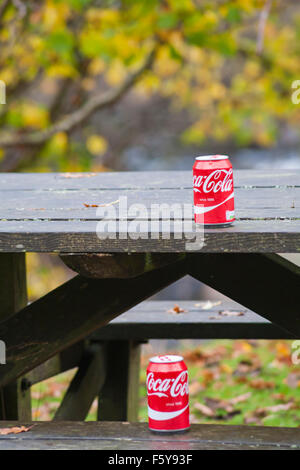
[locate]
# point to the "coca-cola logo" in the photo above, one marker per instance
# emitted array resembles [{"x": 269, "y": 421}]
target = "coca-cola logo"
[
  {"x": 218, "y": 180},
  {"x": 175, "y": 387}
]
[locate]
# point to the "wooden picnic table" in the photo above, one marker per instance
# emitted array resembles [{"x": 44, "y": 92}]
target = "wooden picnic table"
[{"x": 59, "y": 213}]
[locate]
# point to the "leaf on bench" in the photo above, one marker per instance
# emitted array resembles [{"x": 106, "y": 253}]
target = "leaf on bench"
[{"x": 14, "y": 430}]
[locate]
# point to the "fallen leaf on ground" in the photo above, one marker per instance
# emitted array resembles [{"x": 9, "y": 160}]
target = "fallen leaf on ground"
[
  {"x": 240, "y": 398},
  {"x": 195, "y": 387},
  {"x": 247, "y": 367},
  {"x": 176, "y": 309},
  {"x": 293, "y": 380},
  {"x": 14, "y": 430},
  {"x": 217, "y": 409},
  {"x": 280, "y": 407},
  {"x": 261, "y": 384},
  {"x": 205, "y": 410}
]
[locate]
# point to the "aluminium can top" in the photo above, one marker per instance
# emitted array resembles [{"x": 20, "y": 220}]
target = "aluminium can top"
[
  {"x": 166, "y": 359},
  {"x": 212, "y": 157}
]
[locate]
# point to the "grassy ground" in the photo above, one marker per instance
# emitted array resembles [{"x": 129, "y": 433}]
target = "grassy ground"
[{"x": 231, "y": 382}]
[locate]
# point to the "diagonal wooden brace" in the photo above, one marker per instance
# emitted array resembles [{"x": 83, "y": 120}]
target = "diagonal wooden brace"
[
  {"x": 71, "y": 312},
  {"x": 265, "y": 283}
]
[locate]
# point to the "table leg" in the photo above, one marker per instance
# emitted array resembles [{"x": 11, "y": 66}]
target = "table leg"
[
  {"x": 15, "y": 399},
  {"x": 119, "y": 397}
]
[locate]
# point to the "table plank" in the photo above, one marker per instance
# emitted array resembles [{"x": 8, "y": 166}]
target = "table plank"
[
  {"x": 139, "y": 180},
  {"x": 48, "y": 213},
  {"x": 155, "y": 319},
  {"x": 63, "y": 205},
  {"x": 127, "y": 436},
  {"x": 263, "y": 236}
]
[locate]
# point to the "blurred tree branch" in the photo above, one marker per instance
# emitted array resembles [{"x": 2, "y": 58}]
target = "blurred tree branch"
[
  {"x": 68, "y": 123},
  {"x": 262, "y": 25}
]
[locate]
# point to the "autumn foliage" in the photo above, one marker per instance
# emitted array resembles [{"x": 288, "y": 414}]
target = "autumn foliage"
[{"x": 229, "y": 64}]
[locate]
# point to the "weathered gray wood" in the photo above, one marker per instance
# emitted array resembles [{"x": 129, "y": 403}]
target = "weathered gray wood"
[
  {"x": 48, "y": 213},
  {"x": 125, "y": 436},
  {"x": 70, "y": 313},
  {"x": 84, "y": 387},
  {"x": 65, "y": 205},
  {"x": 119, "y": 397},
  {"x": 118, "y": 265},
  {"x": 65, "y": 360},
  {"x": 15, "y": 399},
  {"x": 265, "y": 236},
  {"x": 155, "y": 319},
  {"x": 267, "y": 284},
  {"x": 139, "y": 180}
]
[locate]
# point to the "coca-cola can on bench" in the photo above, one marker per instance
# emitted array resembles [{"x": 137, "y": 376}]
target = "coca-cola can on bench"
[
  {"x": 168, "y": 394},
  {"x": 213, "y": 191}
]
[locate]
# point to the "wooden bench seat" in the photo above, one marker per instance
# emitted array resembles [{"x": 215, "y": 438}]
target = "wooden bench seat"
[
  {"x": 121, "y": 435},
  {"x": 155, "y": 320},
  {"x": 117, "y": 347}
]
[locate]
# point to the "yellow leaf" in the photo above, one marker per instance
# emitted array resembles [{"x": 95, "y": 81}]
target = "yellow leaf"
[
  {"x": 34, "y": 116},
  {"x": 96, "y": 66},
  {"x": 61, "y": 70},
  {"x": 60, "y": 141},
  {"x": 283, "y": 350},
  {"x": 96, "y": 144}
]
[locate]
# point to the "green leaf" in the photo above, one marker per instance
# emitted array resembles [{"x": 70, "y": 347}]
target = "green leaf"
[
  {"x": 174, "y": 54},
  {"x": 234, "y": 15},
  {"x": 167, "y": 21},
  {"x": 197, "y": 39}
]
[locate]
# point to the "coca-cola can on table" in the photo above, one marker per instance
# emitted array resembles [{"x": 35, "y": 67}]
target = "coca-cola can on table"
[
  {"x": 168, "y": 394},
  {"x": 213, "y": 191}
]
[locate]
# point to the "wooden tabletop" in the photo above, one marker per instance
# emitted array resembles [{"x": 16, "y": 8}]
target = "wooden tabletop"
[{"x": 57, "y": 212}]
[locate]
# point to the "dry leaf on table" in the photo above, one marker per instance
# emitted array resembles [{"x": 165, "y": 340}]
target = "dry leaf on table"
[{"x": 176, "y": 309}]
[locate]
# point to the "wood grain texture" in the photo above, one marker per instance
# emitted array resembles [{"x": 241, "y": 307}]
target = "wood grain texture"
[
  {"x": 125, "y": 436},
  {"x": 70, "y": 313},
  {"x": 156, "y": 320},
  {"x": 54, "y": 213},
  {"x": 84, "y": 387},
  {"x": 266, "y": 283},
  {"x": 119, "y": 396},
  {"x": 15, "y": 399}
]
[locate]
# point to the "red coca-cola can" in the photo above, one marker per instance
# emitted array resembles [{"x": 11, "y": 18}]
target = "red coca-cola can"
[
  {"x": 168, "y": 394},
  {"x": 213, "y": 191}
]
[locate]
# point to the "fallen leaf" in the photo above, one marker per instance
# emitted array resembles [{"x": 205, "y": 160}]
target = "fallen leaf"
[
  {"x": 78, "y": 175},
  {"x": 207, "y": 305},
  {"x": 240, "y": 398},
  {"x": 280, "y": 407},
  {"x": 261, "y": 384},
  {"x": 101, "y": 205},
  {"x": 176, "y": 309},
  {"x": 283, "y": 350},
  {"x": 293, "y": 380},
  {"x": 230, "y": 313},
  {"x": 14, "y": 430},
  {"x": 195, "y": 387},
  {"x": 205, "y": 410},
  {"x": 247, "y": 367}
]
